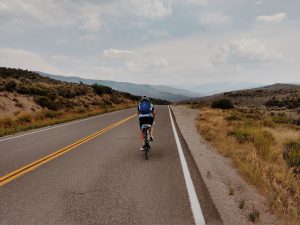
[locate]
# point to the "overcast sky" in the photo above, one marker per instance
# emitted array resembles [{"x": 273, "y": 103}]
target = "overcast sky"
[{"x": 154, "y": 41}]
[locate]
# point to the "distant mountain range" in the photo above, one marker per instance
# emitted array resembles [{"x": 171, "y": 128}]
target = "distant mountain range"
[
  {"x": 153, "y": 91},
  {"x": 219, "y": 87}
]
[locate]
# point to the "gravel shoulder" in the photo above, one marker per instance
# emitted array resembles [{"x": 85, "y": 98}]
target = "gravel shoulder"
[{"x": 227, "y": 188}]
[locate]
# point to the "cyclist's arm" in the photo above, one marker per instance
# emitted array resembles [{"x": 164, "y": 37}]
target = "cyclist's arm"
[
  {"x": 138, "y": 109},
  {"x": 153, "y": 112}
]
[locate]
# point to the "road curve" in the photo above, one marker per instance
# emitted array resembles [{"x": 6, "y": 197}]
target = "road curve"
[{"x": 104, "y": 180}]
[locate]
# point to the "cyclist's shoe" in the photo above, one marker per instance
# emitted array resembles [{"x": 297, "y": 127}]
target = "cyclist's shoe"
[{"x": 151, "y": 138}]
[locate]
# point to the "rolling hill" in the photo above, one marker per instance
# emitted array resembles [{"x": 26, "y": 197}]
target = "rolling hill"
[
  {"x": 22, "y": 90},
  {"x": 153, "y": 91},
  {"x": 280, "y": 95}
]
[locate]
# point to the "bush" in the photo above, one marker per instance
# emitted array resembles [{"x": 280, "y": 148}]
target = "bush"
[
  {"x": 288, "y": 103},
  {"x": 232, "y": 117},
  {"x": 6, "y": 122},
  {"x": 10, "y": 85},
  {"x": 79, "y": 110},
  {"x": 67, "y": 92},
  {"x": 23, "y": 89},
  {"x": 38, "y": 91},
  {"x": 45, "y": 102},
  {"x": 262, "y": 140},
  {"x": 48, "y": 114},
  {"x": 100, "y": 89},
  {"x": 242, "y": 135},
  {"x": 24, "y": 118},
  {"x": 222, "y": 104},
  {"x": 291, "y": 153},
  {"x": 19, "y": 104},
  {"x": 253, "y": 216}
]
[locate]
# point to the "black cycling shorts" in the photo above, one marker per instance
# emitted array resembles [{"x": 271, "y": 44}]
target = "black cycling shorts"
[{"x": 146, "y": 120}]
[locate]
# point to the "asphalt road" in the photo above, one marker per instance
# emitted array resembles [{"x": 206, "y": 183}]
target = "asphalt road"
[{"x": 103, "y": 180}]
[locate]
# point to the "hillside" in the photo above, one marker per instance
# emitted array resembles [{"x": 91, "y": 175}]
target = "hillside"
[
  {"x": 154, "y": 91},
  {"x": 29, "y": 100},
  {"x": 26, "y": 88},
  {"x": 280, "y": 95}
]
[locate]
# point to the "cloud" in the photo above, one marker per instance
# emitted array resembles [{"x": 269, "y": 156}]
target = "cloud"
[
  {"x": 194, "y": 2},
  {"x": 159, "y": 33},
  {"x": 258, "y": 2},
  {"x": 91, "y": 23},
  {"x": 3, "y": 7},
  {"x": 249, "y": 49},
  {"x": 51, "y": 13},
  {"x": 66, "y": 59},
  {"x": 154, "y": 9},
  {"x": 24, "y": 59},
  {"x": 143, "y": 66},
  {"x": 117, "y": 53},
  {"x": 276, "y": 18},
  {"x": 215, "y": 18},
  {"x": 88, "y": 37}
]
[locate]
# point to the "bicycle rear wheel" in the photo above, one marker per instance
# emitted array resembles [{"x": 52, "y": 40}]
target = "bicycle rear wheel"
[{"x": 146, "y": 152}]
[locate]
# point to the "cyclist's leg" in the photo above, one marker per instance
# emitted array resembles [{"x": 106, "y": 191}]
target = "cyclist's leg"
[
  {"x": 142, "y": 121},
  {"x": 151, "y": 121}
]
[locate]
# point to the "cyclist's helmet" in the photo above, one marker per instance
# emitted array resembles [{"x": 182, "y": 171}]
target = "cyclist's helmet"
[{"x": 145, "y": 98}]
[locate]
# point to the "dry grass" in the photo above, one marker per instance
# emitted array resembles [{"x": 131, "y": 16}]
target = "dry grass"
[
  {"x": 27, "y": 121},
  {"x": 255, "y": 142}
]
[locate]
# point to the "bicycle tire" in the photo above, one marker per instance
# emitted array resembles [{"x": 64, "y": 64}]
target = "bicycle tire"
[
  {"x": 146, "y": 153},
  {"x": 147, "y": 145}
]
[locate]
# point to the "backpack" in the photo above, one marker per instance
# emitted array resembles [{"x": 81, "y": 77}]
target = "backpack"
[{"x": 145, "y": 107}]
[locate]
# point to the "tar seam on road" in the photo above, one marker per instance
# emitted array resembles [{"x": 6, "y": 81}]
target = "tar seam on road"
[
  {"x": 25, "y": 169},
  {"x": 57, "y": 126},
  {"x": 195, "y": 205}
]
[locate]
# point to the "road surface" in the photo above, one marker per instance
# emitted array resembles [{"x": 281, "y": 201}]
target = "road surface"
[{"x": 92, "y": 172}]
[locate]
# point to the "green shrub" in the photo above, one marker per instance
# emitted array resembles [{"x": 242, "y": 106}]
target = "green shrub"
[
  {"x": 222, "y": 104},
  {"x": 242, "y": 135},
  {"x": 274, "y": 103},
  {"x": 263, "y": 141},
  {"x": 10, "y": 85},
  {"x": 291, "y": 153},
  {"x": 23, "y": 89},
  {"x": 19, "y": 104},
  {"x": 79, "y": 110},
  {"x": 24, "y": 118},
  {"x": 48, "y": 114},
  {"x": 282, "y": 119},
  {"x": 67, "y": 92},
  {"x": 232, "y": 117},
  {"x": 44, "y": 102},
  {"x": 6, "y": 123},
  {"x": 36, "y": 90},
  {"x": 253, "y": 216},
  {"x": 100, "y": 89},
  {"x": 290, "y": 103}
]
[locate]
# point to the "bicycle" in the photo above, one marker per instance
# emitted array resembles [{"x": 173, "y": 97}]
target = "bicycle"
[{"x": 147, "y": 147}]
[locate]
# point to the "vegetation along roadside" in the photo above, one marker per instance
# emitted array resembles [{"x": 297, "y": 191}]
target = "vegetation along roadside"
[
  {"x": 264, "y": 145},
  {"x": 28, "y": 100}
]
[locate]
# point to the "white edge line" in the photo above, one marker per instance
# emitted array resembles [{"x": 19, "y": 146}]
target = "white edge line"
[
  {"x": 195, "y": 205},
  {"x": 57, "y": 126}
]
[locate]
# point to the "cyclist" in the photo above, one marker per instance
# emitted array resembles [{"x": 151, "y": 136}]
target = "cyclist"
[{"x": 146, "y": 116}]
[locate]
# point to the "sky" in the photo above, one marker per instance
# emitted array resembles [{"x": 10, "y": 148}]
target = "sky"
[{"x": 171, "y": 42}]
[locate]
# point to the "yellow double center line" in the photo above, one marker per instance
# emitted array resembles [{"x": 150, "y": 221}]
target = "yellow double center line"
[{"x": 25, "y": 169}]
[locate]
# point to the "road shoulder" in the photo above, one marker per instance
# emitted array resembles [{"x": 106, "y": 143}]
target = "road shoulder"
[{"x": 226, "y": 187}]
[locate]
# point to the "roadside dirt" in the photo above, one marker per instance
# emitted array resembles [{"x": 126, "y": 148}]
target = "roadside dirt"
[
  {"x": 232, "y": 196},
  {"x": 13, "y": 103}
]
